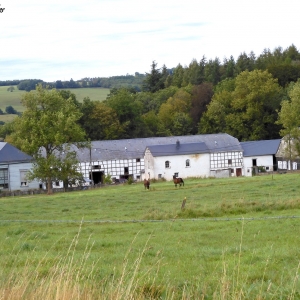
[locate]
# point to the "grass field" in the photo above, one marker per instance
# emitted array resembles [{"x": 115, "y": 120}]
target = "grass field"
[
  {"x": 237, "y": 238},
  {"x": 14, "y": 98}
]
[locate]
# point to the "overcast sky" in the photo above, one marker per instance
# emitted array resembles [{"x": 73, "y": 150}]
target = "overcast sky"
[{"x": 62, "y": 39}]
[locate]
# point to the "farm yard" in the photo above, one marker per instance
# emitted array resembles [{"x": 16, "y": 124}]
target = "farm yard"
[{"x": 236, "y": 238}]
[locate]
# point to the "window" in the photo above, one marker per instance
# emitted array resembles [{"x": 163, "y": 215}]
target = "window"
[
  {"x": 176, "y": 174},
  {"x": 159, "y": 176},
  {"x": 167, "y": 164},
  {"x": 4, "y": 178},
  {"x": 254, "y": 162},
  {"x": 229, "y": 162},
  {"x": 96, "y": 167},
  {"x": 187, "y": 163},
  {"x": 138, "y": 160},
  {"x": 23, "y": 178},
  {"x": 56, "y": 183}
]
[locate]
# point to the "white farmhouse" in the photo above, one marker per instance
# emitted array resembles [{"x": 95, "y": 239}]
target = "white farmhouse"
[{"x": 217, "y": 155}]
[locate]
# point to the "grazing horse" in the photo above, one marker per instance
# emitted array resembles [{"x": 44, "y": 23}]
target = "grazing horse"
[
  {"x": 146, "y": 184},
  {"x": 178, "y": 180}
]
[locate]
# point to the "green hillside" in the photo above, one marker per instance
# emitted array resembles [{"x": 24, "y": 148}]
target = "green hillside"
[{"x": 14, "y": 98}]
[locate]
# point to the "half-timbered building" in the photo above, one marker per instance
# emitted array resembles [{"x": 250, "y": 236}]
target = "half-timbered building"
[{"x": 221, "y": 155}]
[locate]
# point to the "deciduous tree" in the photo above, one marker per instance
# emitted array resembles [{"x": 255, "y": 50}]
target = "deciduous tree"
[
  {"x": 128, "y": 112},
  {"x": 48, "y": 124},
  {"x": 249, "y": 111},
  {"x": 288, "y": 117},
  {"x": 175, "y": 110},
  {"x": 201, "y": 97}
]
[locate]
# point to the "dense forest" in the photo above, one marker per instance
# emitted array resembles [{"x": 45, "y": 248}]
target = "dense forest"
[{"x": 242, "y": 98}]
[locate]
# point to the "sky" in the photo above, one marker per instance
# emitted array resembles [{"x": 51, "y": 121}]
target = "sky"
[{"x": 64, "y": 39}]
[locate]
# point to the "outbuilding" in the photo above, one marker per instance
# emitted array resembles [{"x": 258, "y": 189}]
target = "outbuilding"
[
  {"x": 14, "y": 166},
  {"x": 260, "y": 156},
  {"x": 287, "y": 155}
]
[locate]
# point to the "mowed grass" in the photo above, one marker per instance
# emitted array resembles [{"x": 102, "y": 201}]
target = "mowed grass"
[
  {"x": 14, "y": 98},
  {"x": 237, "y": 238}
]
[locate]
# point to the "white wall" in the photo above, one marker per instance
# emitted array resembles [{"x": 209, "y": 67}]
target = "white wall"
[
  {"x": 287, "y": 164},
  {"x": 199, "y": 166},
  {"x": 264, "y": 160},
  {"x": 15, "y": 179}
]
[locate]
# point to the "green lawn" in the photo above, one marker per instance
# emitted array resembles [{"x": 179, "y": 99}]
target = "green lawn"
[
  {"x": 237, "y": 238},
  {"x": 14, "y": 98}
]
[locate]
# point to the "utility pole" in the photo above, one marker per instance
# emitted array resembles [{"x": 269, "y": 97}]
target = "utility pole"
[{"x": 91, "y": 165}]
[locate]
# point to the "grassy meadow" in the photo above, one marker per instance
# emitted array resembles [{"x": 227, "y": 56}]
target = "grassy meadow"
[
  {"x": 14, "y": 98},
  {"x": 236, "y": 238}
]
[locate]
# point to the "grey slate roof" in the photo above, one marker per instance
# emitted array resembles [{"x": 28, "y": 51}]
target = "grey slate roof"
[
  {"x": 180, "y": 149},
  {"x": 10, "y": 154},
  {"x": 135, "y": 148},
  {"x": 257, "y": 148}
]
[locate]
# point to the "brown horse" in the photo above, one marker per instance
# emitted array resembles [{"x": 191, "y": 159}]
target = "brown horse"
[
  {"x": 146, "y": 184},
  {"x": 178, "y": 180}
]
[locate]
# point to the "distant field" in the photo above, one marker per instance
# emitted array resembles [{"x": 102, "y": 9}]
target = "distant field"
[
  {"x": 10, "y": 98},
  {"x": 14, "y": 98},
  {"x": 95, "y": 94}
]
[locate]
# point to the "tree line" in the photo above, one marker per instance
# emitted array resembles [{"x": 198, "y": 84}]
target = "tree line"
[
  {"x": 129, "y": 81},
  {"x": 282, "y": 64},
  {"x": 241, "y": 98}
]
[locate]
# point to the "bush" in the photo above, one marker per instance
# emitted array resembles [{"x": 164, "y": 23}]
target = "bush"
[
  {"x": 107, "y": 179},
  {"x": 130, "y": 180}
]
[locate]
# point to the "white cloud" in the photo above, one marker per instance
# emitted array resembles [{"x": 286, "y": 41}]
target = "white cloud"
[{"x": 96, "y": 38}]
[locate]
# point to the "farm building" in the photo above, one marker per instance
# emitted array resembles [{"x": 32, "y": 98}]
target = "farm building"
[
  {"x": 14, "y": 165},
  {"x": 214, "y": 155},
  {"x": 260, "y": 156},
  {"x": 208, "y": 155},
  {"x": 287, "y": 157}
]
